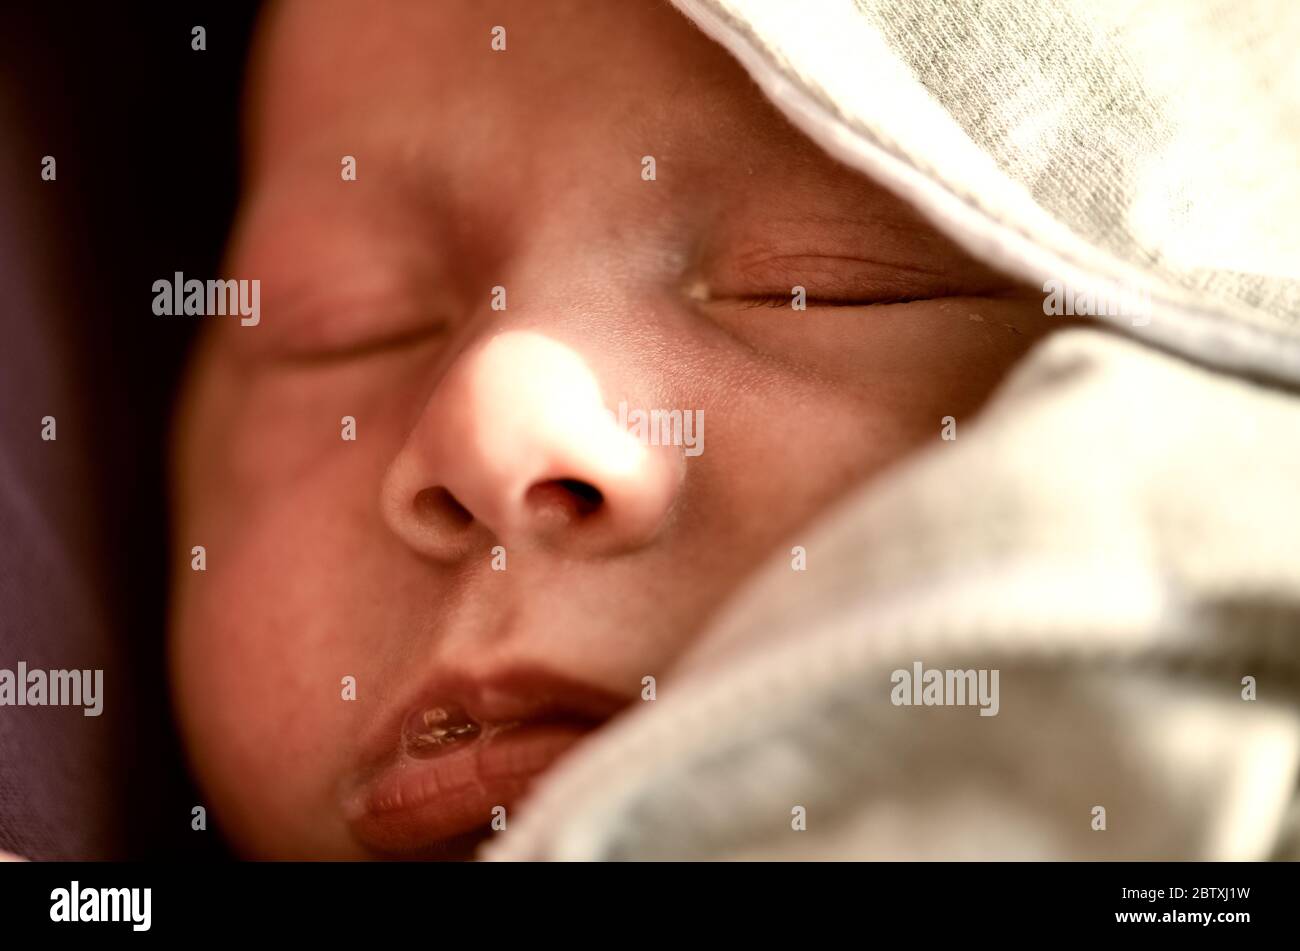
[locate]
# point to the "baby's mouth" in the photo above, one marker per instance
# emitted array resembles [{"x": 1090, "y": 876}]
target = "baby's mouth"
[
  {"x": 434, "y": 730},
  {"x": 465, "y": 755},
  {"x": 437, "y": 730}
]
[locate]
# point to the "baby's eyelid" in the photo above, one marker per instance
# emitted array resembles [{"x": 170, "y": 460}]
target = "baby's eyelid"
[
  {"x": 830, "y": 280},
  {"x": 787, "y": 300},
  {"x": 367, "y": 346}
]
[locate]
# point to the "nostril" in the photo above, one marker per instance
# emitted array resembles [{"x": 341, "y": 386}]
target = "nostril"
[
  {"x": 573, "y": 497},
  {"x": 587, "y": 496},
  {"x": 438, "y": 509}
]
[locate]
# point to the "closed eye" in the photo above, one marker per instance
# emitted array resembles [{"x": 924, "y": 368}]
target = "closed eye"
[
  {"x": 362, "y": 348},
  {"x": 766, "y": 279},
  {"x": 775, "y": 301}
]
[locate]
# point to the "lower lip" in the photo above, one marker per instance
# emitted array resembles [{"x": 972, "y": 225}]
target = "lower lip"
[{"x": 416, "y": 804}]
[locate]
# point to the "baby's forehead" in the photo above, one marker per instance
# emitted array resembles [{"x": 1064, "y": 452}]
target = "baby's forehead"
[
  {"x": 422, "y": 84},
  {"x": 464, "y": 147}
]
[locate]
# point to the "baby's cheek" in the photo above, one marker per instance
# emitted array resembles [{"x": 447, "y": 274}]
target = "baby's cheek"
[
  {"x": 266, "y": 633},
  {"x": 252, "y": 693},
  {"x": 273, "y": 426}
]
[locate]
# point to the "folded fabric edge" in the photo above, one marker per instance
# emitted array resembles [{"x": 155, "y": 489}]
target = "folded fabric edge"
[{"x": 1213, "y": 338}]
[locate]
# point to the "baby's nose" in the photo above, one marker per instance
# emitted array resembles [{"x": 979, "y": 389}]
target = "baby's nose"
[{"x": 516, "y": 439}]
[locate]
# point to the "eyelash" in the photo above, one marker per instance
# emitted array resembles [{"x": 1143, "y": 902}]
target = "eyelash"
[
  {"x": 775, "y": 301},
  {"x": 392, "y": 343}
]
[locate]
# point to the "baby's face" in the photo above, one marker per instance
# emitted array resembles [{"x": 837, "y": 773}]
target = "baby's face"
[{"x": 489, "y": 439}]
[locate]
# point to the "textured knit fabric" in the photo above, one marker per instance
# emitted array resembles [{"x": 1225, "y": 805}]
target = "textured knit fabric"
[{"x": 1117, "y": 533}]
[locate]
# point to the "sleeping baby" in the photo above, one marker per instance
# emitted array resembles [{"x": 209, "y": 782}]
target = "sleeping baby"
[{"x": 451, "y": 499}]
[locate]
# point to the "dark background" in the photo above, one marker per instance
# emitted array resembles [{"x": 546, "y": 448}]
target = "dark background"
[{"x": 145, "y": 132}]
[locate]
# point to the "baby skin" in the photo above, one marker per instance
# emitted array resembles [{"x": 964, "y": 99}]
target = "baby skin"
[{"x": 437, "y": 550}]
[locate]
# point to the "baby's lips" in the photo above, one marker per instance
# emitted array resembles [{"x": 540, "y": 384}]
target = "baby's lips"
[
  {"x": 437, "y": 730},
  {"x": 415, "y": 804}
]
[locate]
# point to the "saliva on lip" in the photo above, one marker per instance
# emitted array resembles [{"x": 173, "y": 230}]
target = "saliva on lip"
[{"x": 435, "y": 730}]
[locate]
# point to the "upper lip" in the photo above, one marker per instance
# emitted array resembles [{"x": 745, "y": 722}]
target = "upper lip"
[{"x": 512, "y": 695}]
